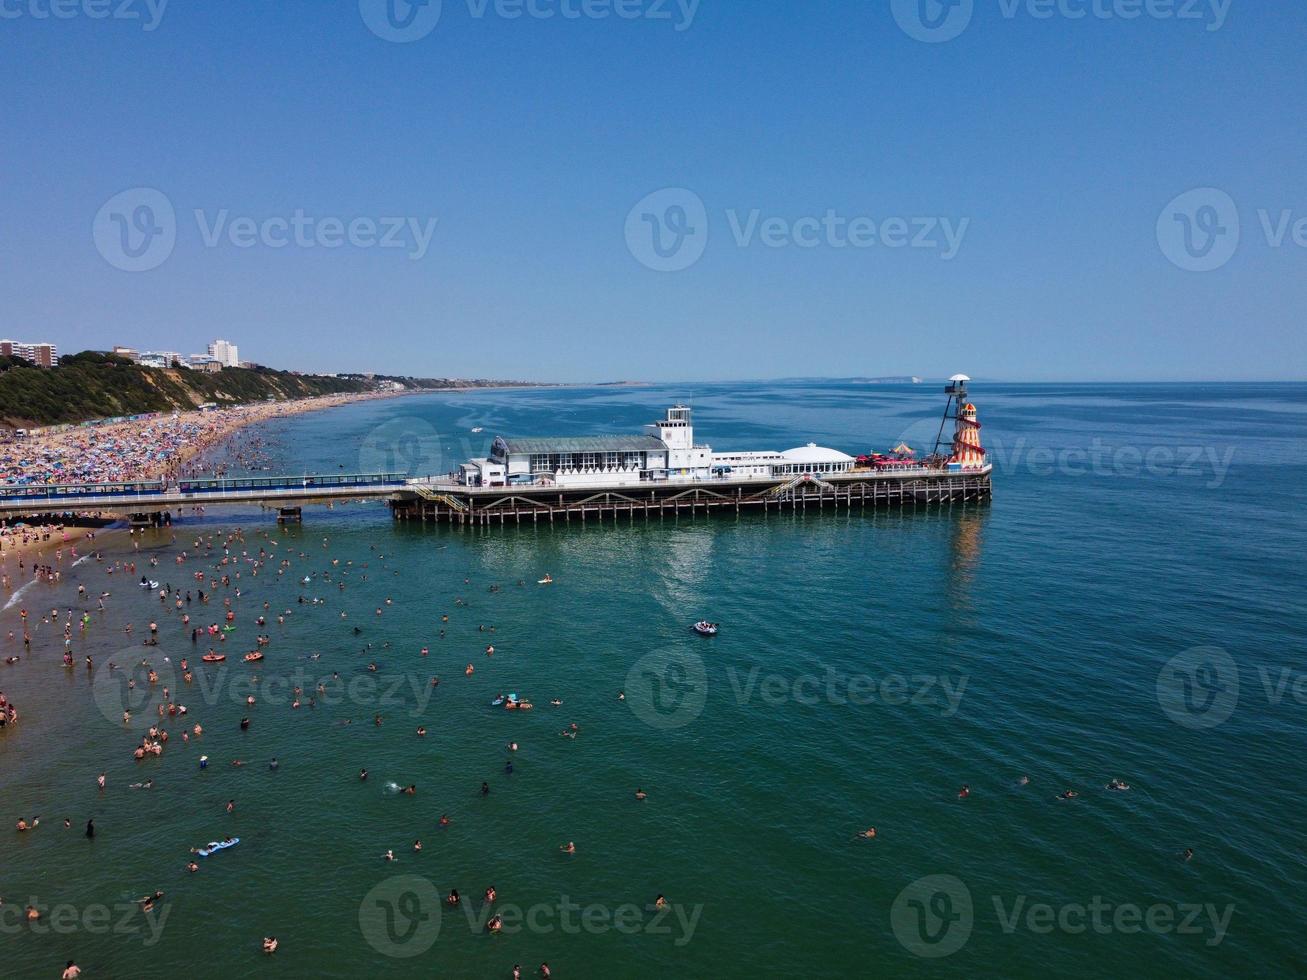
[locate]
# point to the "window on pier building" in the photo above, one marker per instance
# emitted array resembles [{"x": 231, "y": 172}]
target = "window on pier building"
[
  {"x": 611, "y": 460},
  {"x": 589, "y": 460},
  {"x": 539, "y": 462}
]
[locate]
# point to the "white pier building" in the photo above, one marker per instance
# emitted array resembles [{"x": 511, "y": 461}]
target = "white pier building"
[{"x": 665, "y": 453}]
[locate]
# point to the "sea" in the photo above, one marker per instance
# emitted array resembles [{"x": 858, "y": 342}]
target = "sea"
[{"x": 1129, "y": 607}]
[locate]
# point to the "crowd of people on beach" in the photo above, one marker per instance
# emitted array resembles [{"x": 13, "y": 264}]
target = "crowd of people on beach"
[{"x": 144, "y": 448}]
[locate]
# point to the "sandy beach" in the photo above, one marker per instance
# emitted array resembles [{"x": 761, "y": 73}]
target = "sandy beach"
[{"x": 162, "y": 445}]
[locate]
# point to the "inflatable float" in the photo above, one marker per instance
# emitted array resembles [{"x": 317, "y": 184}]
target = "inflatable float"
[{"x": 214, "y": 846}]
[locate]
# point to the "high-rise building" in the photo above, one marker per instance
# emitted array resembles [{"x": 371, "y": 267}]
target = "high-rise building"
[
  {"x": 228, "y": 355},
  {"x": 42, "y": 355}
]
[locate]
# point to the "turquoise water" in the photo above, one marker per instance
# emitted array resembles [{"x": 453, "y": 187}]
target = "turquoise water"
[{"x": 1037, "y": 636}]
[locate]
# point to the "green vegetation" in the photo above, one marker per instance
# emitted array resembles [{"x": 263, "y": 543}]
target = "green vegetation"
[{"x": 91, "y": 385}]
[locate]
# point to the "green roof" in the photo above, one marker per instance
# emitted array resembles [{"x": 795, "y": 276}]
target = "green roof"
[{"x": 584, "y": 444}]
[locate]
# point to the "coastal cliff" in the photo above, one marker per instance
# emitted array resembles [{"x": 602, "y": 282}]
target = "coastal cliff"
[{"x": 91, "y": 386}]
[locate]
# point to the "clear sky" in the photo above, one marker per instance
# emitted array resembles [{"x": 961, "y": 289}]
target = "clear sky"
[{"x": 1035, "y": 158}]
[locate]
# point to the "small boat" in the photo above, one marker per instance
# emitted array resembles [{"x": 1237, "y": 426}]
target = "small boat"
[
  {"x": 478, "y": 429},
  {"x": 214, "y": 658},
  {"x": 253, "y": 658},
  {"x": 705, "y": 628}
]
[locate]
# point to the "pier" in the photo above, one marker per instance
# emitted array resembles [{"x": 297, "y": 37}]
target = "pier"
[{"x": 481, "y": 507}]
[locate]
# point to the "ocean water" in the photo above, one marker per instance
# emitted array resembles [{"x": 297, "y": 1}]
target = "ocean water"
[{"x": 1130, "y": 605}]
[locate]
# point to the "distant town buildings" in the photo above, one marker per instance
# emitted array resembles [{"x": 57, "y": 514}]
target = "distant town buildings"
[
  {"x": 160, "y": 358},
  {"x": 221, "y": 354},
  {"x": 228, "y": 355},
  {"x": 42, "y": 355}
]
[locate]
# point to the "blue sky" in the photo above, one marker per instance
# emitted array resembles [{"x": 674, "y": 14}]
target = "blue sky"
[{"x": 1049, "y": 145}]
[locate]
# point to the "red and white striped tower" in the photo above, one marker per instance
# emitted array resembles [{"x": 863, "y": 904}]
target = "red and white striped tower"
[{"x": 966, "y": 439}]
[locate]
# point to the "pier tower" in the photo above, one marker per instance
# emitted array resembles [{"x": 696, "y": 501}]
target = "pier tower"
[
  {"x": 966, "y": 439},
  {"x": 677, "y": 429},
  {"x": 966, "y": 450}
]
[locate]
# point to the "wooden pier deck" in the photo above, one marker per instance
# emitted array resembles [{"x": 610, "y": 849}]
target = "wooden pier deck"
[{"x": 482, "y": 507}]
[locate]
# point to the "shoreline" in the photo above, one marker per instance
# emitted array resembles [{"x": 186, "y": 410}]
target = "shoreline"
[{"x": 24, "y": 541}]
